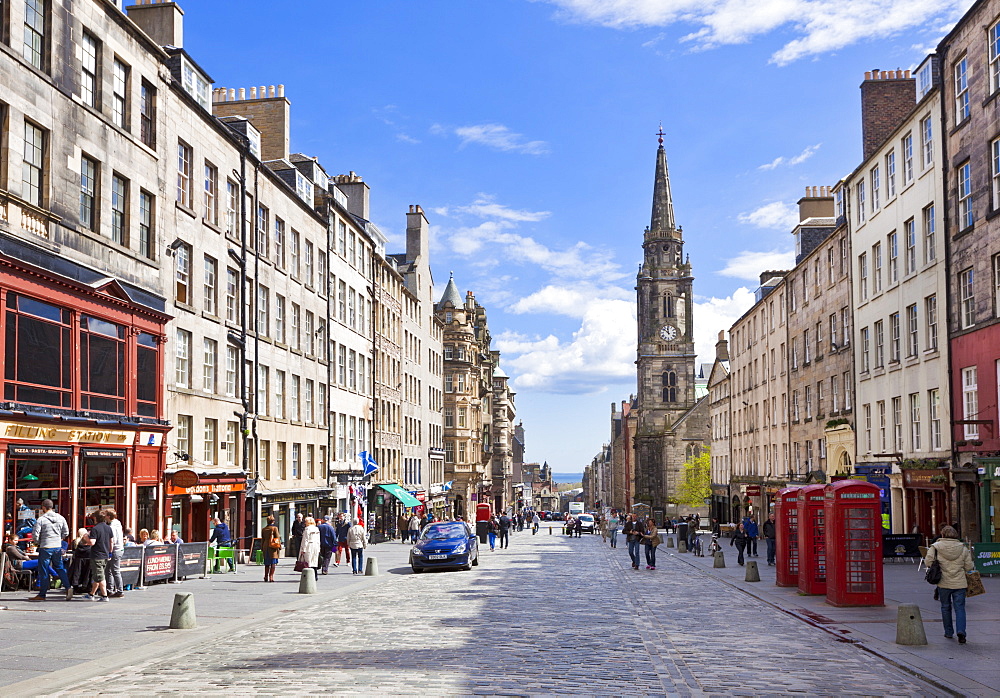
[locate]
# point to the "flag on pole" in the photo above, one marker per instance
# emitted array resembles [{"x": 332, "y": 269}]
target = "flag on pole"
[
  {"x": 446, "y": 486},
  {"x": 368, "y": 463}
]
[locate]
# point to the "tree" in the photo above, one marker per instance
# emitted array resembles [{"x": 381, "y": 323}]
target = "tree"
[{"x": 696, "y": 486}]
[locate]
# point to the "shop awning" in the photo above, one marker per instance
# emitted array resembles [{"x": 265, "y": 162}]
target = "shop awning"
[{"x": 407, "y": 499}]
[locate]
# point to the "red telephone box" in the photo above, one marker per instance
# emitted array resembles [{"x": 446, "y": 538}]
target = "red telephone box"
[
  {"x": 483, "y": 512},
  {"x": 786, "y": 518},
  {"x": 812, "y": 540},
  {"x": 854, "y": 544}
]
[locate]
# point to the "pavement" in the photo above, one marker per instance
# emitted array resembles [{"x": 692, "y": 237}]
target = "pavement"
[
  {"x": 548, "y": 615},
  {"x": 971, "y": 669}
]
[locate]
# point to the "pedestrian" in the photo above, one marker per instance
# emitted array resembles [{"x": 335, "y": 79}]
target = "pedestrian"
[
  {"x": 770, "y": 537},
  {"x": 536, "y": 521},
  {"x": 102, "y": 537},
  {"x": 341, "y": 529},
  {"x": 327, "y": 543},
  {"x": 955, "y": 561},
  {"x": 116, "y": 588},
  {"x": 650, "y": 540},
  {"x": 298, "y": 526},
  {"x": 414, "y": 527},
  {"x": 604, "y": 531},
  {"x": 578, "y": 527},
  {"x": 270, "y": 542},
  {"x": 613, "y": 529},
  {"x": 633, "y": 536},
  {"x": 49, "y": 532},
  {"x": 752, "y": 533},
  {"x": 693, "y": 526},
  {"x": 505, "y": 525},
  {"x": 223, "y": 539},
  {"x": 403, "y": 524},
  {"x": 79, "y": 566},
  {"x": 739, "y": 539},
  {"x": 492, "y": 528},
  {"x": 357, "y": 543},
  {"x": 310, "y": 547}
]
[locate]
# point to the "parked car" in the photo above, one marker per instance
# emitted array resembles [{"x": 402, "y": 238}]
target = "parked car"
[
  {"x": 446, "y": 544},
  {"x": 586, "y": 522},
  {"x": 558, "y": 516}
]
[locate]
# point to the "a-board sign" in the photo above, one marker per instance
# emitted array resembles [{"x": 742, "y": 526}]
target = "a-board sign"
[
  {"x": 192, "y": 559},
  {"x": 158, "y": 563},
  {"x": 131, "y": 565}
]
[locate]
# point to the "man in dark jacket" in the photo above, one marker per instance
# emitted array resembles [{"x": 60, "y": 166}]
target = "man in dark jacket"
[
  {"x": 327, "y": 543},
  {"x": 504, "y": 531},
  {"x": 633, "y": 536},
  {"x": 770, "y": 537},
  {"x": 224, "y": 539},
  {"x": 100, "y": 552},
  {"x": 298, "y": 526}
]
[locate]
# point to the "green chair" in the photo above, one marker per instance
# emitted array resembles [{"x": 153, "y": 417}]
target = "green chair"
[{"x": 227, "y": 554}]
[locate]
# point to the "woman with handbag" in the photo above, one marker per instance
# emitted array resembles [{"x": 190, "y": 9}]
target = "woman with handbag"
[
  {"x": 955, "y": 561},
  {"x": 650, "y": 539},
  {"x": 739, "y": 539},
  {"x": 309, "y": 550},
  {"x": 270, "y": 540}
]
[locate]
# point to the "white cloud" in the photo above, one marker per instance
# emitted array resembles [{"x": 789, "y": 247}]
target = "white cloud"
[
  {"x": 748, "y": 265},
  {"x": 819, "y": 26},
  {"x": 600, "y": 354},
  {"x": 714, "y": 315},
  {"x": 485, "y": 206},
  {"x": 792, "y": 161},
  {"x": 495, "y": 136},
  {"x": 404, "y": 138},
  {"x": 571, "y": 301},
  {"x": 777, "y": 215}
]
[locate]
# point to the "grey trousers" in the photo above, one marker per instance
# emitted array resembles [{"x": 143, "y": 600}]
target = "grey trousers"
[{"x": 113, "y": 573}]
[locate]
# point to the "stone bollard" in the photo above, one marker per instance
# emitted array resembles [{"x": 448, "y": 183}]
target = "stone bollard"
[
  {"x": 371, "y": 567},
  {"x": 670, "y": 542},
  {"x": 909, "y": 625},
  {"x": 307, "y": 581},
  {"x": 682, "y": 546},
  {"x": 720, "y": 560},
  {"x": 753, "y": 574},
  {"x": 182, "y": 616}
]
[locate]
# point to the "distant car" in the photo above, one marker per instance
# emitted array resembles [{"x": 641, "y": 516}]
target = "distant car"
[
  {"x": 446, "y": 544},
  {"x": 586, "y": 522},
  {"x": 558, "y": 516}
]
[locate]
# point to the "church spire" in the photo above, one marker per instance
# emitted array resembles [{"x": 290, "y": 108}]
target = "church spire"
[{"x": 663, "y": 204}]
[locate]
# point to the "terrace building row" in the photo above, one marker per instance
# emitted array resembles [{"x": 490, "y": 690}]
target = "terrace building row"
[{"x": 198, "y": 321}]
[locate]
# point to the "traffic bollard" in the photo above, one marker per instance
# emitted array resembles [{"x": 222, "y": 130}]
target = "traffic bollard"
[
  {"x": 720, "y": 560},
  {"x": 909, "y": 625},
  {"x": 182, "y": 616},
  {"x": 550, "y": 530},
  {"x": 753, "y": 574},
  {"x": 307, "y": 581},
  {"x": 670, "y": 542},
  {"x": 682, "y": 546},
  {"x": 371, "y": 567}
]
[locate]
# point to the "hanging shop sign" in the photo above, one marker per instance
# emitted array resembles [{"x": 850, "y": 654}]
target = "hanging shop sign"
[
  {"x": 184, "y": 479},
  {"x": 753, "y": 491}
]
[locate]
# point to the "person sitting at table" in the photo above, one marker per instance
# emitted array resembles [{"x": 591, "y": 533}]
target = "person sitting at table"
[
  {"x": 154, "y": 538},
  {"x": 175, "y": 539},
  {"x": 143, "y": 537},
  {"x": 79, "y": 568},
  {"x": 129, "y": 538},
  {"x": 17, "y": 558}
]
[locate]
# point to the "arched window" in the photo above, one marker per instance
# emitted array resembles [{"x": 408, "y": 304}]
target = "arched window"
[
  {"x": 668, "y": 305},
  {"x": 669, "y": 385}
]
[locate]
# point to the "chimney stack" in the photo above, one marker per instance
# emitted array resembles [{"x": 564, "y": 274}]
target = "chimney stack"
[
  {"x": 357, "y": 193},
  {"x": 722, "y": 347},
  {"x": 163, "y": 22},
  {"x": 416, "y": 235},
  {"x": 268, "y": 111},
  {"x": 817, "y": 203},
  {"x": 887, "y": 98}
]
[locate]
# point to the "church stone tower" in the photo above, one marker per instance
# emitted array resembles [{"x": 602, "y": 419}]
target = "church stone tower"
[{"x": 668, "y": 421}]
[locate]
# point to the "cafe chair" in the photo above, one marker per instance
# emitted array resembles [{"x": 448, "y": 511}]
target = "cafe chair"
[{"x": 14, "y": 573}]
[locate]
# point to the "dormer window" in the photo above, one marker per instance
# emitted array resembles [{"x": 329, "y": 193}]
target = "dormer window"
[
  {"x": 195, "y": 84},
  {"x": 303, "y": 187}
]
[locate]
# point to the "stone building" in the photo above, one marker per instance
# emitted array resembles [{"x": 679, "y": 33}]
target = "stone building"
[
  {"x": 624, "y": 420},
  {"x": 970, "y": 79},
  {"x": 502, "y": 462},
  {"x": 895, "y": 214},
  {"x": 85, "y": 339},
  {"x": 468, "y": 394},
  {"x": 673, "y": 423},
  {"x": 720, "y": 416}
]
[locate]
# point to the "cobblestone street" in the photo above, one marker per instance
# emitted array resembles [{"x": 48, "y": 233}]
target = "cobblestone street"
[{"x": 547, "y": 615}]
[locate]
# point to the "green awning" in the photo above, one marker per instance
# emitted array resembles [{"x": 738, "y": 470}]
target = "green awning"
[{"x": 402, "y": 495}]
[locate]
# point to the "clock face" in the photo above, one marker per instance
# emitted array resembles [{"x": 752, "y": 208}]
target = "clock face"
[{"x": 668, "y": 332}]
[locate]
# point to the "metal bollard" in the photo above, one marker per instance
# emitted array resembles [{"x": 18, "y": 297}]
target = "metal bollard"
[
  {"x": 753, "y": 574},
  {"x": 720, "y": 560},
  {"x": 371, "y": 567},
  {"x": 182, "y": 615},
  {"x": 307, "y": 581},
  {"x": 550, "y": 530},
  {"x": 909, "y": 625}
]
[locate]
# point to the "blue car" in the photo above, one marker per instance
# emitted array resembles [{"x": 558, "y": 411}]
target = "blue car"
[{"x": 445, "y": 544}]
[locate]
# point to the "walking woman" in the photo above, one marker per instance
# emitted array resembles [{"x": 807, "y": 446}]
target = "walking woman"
[
  {"x": 955, "y": 561},
  {"x": 270, "y": 543},
  {"x": 739, "y": 539},
  {"x": 491, "y": 531},
  {"x": 613, "y": 529},
  {"x": 309, "y": 550},
  {"x": 650, "y": 539},
  {"x": 357, "y": 543}
]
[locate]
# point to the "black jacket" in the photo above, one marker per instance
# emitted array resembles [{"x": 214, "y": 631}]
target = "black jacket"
[
  {"x": 769, "y": 529},
  {"x": 739, "y": 537}
]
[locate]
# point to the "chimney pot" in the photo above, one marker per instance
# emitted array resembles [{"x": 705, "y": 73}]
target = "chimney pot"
[
  {"x": 243, "y": 93},
  {"x": 281, "y": 90},
  {"x": 262, "y": 91},
  {"x": 253, "y": 93},
  {"x": 270, "y": 90}
]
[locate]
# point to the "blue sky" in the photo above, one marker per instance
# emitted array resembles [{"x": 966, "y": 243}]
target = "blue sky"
[{"x": 525, "y": 129}]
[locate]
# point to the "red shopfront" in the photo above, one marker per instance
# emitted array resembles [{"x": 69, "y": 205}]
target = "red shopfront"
[
  {"x": 925, "y": 494},
  {"x": 197, "y": 496},
  {"x": 81, "y": 396}
]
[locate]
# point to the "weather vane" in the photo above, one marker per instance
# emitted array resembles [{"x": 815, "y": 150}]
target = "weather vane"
[{"x": 660, "y": 133}]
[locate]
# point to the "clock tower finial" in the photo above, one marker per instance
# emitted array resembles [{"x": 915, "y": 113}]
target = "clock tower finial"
[{"x": 662, "y": 219}]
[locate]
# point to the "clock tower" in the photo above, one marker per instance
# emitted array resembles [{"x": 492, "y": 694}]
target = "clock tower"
[{"x": 665, "y": 356}]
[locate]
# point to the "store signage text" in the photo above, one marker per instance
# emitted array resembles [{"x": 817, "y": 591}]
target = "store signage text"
[{"x": 15, "y": 430}]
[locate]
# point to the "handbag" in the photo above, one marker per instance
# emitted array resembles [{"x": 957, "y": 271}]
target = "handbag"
[
  {"x": 275, "y": 543},
  {"x": 975, "y": 587},
  {"x": 301, "y": 565},
  {"x": 933, "y": 574}
]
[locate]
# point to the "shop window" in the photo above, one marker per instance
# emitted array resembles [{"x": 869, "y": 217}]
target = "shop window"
[
  {"x": 102, "y": 365},
  {"x": 102, "y": 486},
  {"x": 35, "y": 480},
  {"x": 146, "y": 375},
  {"x": 38, "y": 353}
]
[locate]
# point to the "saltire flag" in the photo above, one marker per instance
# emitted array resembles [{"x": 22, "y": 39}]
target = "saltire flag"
[{"x": 368, "y": 463}]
